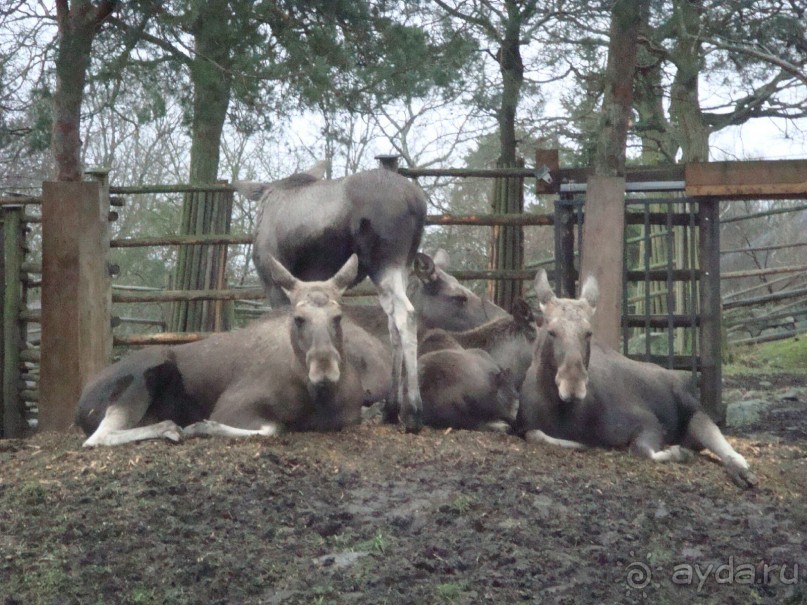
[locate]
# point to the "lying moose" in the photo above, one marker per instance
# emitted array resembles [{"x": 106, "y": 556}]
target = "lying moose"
[
  {"x": 580, "y": 393},
  {"x": 286, "y": 371}
]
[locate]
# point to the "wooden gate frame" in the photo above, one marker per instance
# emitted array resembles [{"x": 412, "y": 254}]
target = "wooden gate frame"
[{"x": 76, "y": 292}]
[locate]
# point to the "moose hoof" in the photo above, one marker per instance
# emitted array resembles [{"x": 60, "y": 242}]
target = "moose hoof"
[
  {"x": 390, "y": 413},
  {"x": 682, "y": 454},
  {"x": 413, "y": 422},
  {"x": 197, "y": 429},
  {"x": 170, "y": 432},
  {"x": 740, "y": 474}
]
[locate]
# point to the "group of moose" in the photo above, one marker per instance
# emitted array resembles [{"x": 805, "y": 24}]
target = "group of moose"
[{"x": 431, "y": 353}]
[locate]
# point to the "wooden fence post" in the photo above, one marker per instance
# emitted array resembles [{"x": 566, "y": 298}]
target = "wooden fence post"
[
  {"x": 602, "y": 252},
  {"x": 76, "y": 327},
  {"x": 710, "y": 309},
  {"x": 508, "y": 241},
  {"x": 12, "y": 421}
]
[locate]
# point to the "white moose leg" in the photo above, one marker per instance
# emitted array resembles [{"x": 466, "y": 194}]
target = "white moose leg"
[
  {"x": 704, "y": 433},
  {"x": 393, "y": 299},
  {"x": 674, "y": 453},
  {"x": 536, "y": 436},
  {"x": 117, "y": 428},
  {"x": 211, "y": 428}
]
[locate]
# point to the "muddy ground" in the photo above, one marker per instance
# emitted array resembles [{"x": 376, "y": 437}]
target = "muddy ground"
[{"x": 372, "y": 515}]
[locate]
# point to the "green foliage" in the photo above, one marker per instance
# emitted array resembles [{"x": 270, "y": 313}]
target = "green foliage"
[
  {"x": 450, "y": 592},
  {"x": 789, "y": 355}
]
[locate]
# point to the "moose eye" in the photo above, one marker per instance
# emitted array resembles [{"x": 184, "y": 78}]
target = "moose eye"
[
  {"x": 588, "y": 335},
  {"x": 299, "y": 321},
  {"x": 459, "y": 299},
  {"x": 553, "y": 334},
  {"x": 337, "y": 320}
]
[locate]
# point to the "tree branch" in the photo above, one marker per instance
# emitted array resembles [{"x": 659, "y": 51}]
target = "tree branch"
[
  {"x": 793, "y": 70},
  {"x": 158, "y": 42}
]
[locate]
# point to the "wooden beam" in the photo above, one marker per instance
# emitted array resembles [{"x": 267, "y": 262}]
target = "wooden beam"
[
  {"x": 603, "y": 256},
  {"x": 551, "y": 159},
  {"x": 754, "y": 179},
  {"x": 76, "y": 331}
]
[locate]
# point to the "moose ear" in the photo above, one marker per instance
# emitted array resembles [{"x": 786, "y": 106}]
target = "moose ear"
[
  {"x": 522, "y": 312},
  {"x": 441, "y": 259},
  {"x": 424, "y": 267},
  {"x": 345, "y": 277},
  {"x": 318, "y": 170},
  {"x": 281, "y": 275},
  {"x": 542, "y": 289},
  {"x": 252, "y": 190},
  {"x": 590, "y": 292}
]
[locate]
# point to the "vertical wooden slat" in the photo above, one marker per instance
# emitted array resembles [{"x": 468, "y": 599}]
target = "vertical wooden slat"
[
  {"x": 508, "y": 249},
  {"x": 13, "y": 422},
  {"x": 710, "y": 309}
]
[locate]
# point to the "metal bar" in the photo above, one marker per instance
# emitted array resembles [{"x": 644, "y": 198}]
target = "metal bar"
[
  {"x": 659, "y": 321},
  {"x": 693, "y": 291},
  {"x": 659, "y": 275},
  {"x": 710, "y": 328},
  {"x": 670, "y": 294},
  {"x": 625, "y": 304},
  {"x": 648, "y": 242},
  {"x": 634, "y": 186}
]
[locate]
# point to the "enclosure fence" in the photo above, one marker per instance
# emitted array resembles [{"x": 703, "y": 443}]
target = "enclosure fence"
[{"x": 671, "y": 307}]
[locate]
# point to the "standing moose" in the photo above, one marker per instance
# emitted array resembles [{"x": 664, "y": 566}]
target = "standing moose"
[{"x": 312, "y": 226}]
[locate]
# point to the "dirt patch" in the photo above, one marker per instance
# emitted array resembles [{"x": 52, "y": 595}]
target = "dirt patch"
[{"x": 372, "y": 515}]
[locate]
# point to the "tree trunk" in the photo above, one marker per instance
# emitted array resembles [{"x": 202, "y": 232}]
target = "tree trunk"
[
  {"x": 617, "y": 108},
  {"x": 202, "y": 267},
  {"x": 512, "y": 70},
  {"x": 604, "y": 225},
  {"x": 653, "y": 128},
  {"x": 78, "y": 23},
  {"x": 508, "y": 242},
  {"x": 691, "y": 129}
]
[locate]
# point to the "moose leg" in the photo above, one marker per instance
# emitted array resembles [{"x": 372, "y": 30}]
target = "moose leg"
[
  {"x": 403, "y": 335},
  {"x": 211, "y": 428},
  {"x": 649, "y": 443},
  {"x": 537, "y": 436},
  {"x": 396, "y": 393},
  {"x": 119, "y": 426},
  {"x": 702, "y": 433}
]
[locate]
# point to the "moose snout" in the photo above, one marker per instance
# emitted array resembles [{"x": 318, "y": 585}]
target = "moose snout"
[
  {"x": 323, "y": 366},
  {"x": 571, "y": 380}
]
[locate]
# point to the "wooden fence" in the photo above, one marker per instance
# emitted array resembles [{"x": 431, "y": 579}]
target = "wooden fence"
[{"x": 72, "y": 356}]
